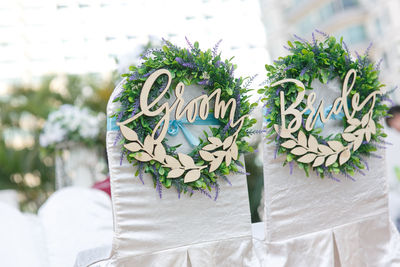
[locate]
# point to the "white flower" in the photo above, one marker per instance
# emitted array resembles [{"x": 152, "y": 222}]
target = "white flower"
[{"x": 68, "y": 120}]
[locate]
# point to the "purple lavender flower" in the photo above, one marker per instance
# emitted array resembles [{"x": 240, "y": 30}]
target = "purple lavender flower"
[
  {"x": 303, "y": 71},
  {"x": 204, "y": 192},
  {"x": 158, "y": 184},
  {"x": 148, "y": 74},
  {"x": 218, "y": 63},
  {"x": 141, "y": 172},
  {"x": 216, "y": 192},
  {"x": 378, "y": 65},
  {"x": 365, "y": 163},
  {"x": 231, "y": 71},
  {"x": 117, "y": 138},
  {"x": 134, "y": 76},
  {"x": 226, "y": 180},
  {"x": 366, "y": 53},
  {"x": 291, "y": 167},
  {"x": 225, "y": 129},
  {"x": 189, "y": 43},
  {"x": 203, "y": 82},
  {"x": 313, "y": 39},
  {"x": 121, "y": 158},
  {"x": 300, "y": 39},
  {"x": 250, "y": 81},
  {"x": 120, "y": 115},
  {"x": 290, "y": 66},
  {"x": 322, "y": 33},
  {"x": 215, "y": 49}
]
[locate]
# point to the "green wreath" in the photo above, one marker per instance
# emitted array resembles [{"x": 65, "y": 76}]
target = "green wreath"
[
  {"x": 324, "y": 60},
  {"x": 190, "y": 66}
]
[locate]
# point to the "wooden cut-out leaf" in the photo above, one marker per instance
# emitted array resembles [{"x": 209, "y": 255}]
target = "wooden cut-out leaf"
[
  {"x": 318, "y": 161},
  {"x": 186, "y": 161},
  {"x": 344, "y": 156},
  {"x": 357, "y": 143},
  {"x": 215, "y": 140},
  {"x": 359, "y": 132},
  {"x": 215, "y": 164},
  {"x": 175, "y": 173},
  {"x": 172, "y": 162},
  {"x": 331, "y": 159},
  {"x": 210, "y": 147},
  {"x": 143, "y": 156},
  {"x": 348, "y": 137},
  {"x": 220, "y": 153},
  {"x": 364, "y": 120},
  {"x": 192, "y": 176},
  {"x": 372, "y": 126},
  {"x": 302, "y": 139},
  {"x": 207, "y": 156},
  {"x": 159, "y": 152},
  {"x": 312, "y": 143},
  {"x": 335, "y": 145},
  {"x": 325, "y": 149},
  {"x": 128, "y": 133},
  {"x": 227, "y": 142},
  {"x": 134, "y": 146},
  {"x": 307, "y": 158},
  {"x": 350, "y": 128},
  {"x": 289, "y": 144},
  {"x": 234, "y": 151},
  {"x": 228, "y": 159},
  {"x": 354, "y": 121},
  {"x": 367, "y": 136},
  {"x": 298, "y": 151},
  {"x": 148, "y": 144}
]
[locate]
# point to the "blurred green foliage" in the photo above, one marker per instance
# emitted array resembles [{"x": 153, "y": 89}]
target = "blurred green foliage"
[{"x": 23, "y": 111}]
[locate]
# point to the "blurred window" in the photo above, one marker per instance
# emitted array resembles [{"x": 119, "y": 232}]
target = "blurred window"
[
  {"x": 355, "y": 34},
  {"x": 349, "y": 3}
]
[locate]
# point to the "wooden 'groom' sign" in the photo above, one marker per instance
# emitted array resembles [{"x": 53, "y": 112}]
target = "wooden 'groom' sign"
[{"x": 152, "y": 148}]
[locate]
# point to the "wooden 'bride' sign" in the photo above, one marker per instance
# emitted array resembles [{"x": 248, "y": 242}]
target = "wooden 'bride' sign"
[
  {"x": 308, "y": 147},
  {"x": 216, "y": 152}
]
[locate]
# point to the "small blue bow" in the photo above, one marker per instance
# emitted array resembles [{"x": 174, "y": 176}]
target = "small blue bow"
[
  {"x": 319, "y": 124},
  {"x": 175, "y": 125}
]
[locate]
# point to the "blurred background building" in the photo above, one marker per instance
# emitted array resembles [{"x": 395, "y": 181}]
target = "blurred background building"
[{"x": 360, "y": 22}]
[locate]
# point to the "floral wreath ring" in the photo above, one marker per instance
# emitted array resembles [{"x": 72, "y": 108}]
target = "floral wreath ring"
[
  {"x": 294, "y": 120},
  {"x": 144, "y": 120}
]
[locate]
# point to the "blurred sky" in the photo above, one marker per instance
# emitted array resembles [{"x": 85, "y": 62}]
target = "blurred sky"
[{"x": 80, "y": 36}]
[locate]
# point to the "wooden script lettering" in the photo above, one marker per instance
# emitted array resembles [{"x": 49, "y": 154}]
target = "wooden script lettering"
[{"x": 351, "y": 134}]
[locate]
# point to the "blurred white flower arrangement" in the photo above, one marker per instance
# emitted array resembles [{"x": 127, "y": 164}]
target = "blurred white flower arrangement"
[{"x": 71, "y": 124}]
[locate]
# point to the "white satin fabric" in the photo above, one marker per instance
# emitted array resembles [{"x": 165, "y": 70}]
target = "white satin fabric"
[
  {"x": 311, "y": 221},
  {"x": 190, "y": 231}
]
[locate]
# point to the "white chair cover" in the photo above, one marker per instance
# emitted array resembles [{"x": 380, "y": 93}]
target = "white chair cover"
[
  {"x": 190, "y": 231},
  {"x": 311, "y": 221}
]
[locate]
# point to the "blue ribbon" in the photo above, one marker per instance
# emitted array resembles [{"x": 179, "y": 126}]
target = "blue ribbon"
[
  {"x": 319, "y": 124},
  {"x": 175, "y": 125},
  {"x": 111, "y": 124}
]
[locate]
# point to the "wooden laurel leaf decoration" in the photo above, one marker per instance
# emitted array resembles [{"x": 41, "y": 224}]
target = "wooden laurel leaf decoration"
[
  {"x": 191, "y": 176},
  {"x": 289, "y": 144},
  {"x": 186, "y": 161},
  {"x": 152, "y": 149},
  {"x": 307, "y": 147},
  {"x": 128, "y": 133},
  {"x": 175, "y": 173},
  {"x": 134, "y": 146},
  {"x": 207, "y": 156},
  {"x": 331, "y": 159}
]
